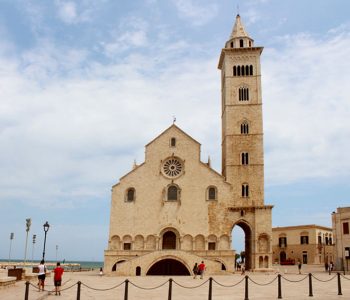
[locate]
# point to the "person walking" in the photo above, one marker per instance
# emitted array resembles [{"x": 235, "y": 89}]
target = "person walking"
[
  {"x": 58, "y": 271},
  {"x": 242, "y": 268},
  {"x": 299, "y": 266},
  {"x": 201, "y": 269},
  {"x": 330, "y": 268},
  {"x": 41, "y": 275},
  {"x": 195, "y": 270}
]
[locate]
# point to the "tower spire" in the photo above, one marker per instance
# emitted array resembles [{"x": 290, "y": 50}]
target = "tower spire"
[{"x": 238, "y": 30}]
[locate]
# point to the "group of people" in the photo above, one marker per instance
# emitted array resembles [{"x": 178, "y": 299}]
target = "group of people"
[
  {"x": 199, "y": 270},
  {"x": 58, "y": 271}
]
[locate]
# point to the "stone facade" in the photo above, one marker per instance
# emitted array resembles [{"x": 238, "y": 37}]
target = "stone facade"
[
  {"x": 174, "y": 210},
  {"x": 341, "y": 233},
  {"x": 309, "y": 244}
]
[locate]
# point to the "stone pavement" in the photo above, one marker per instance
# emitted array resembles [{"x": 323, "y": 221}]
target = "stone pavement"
[{"x": 259, "y": 287}]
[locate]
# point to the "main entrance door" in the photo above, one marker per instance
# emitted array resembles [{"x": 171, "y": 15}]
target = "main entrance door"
[{"x": 169, "y": 240}]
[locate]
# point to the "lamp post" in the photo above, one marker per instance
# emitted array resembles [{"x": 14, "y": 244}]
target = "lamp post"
[
  {"x": 28, "y": 224},
  {"x": 34, "y": 240},
  {"x": 12, "y": 235},
  {"x": 46, "y": 229}
]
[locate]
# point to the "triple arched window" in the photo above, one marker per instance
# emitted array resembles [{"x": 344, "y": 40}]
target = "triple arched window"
[
  {"x": 246, "y": 70},
  {"x": 243, "y": 94},
  {"x": 244, "y": 128}
]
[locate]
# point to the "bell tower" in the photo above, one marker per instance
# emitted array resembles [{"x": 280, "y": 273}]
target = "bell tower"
[{"x": 242, "y": 126}]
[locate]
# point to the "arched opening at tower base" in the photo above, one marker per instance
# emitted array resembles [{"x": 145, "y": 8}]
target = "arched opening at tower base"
[
  {"x": 168, "y": 266},
  {"x": 247, "y": 253}
]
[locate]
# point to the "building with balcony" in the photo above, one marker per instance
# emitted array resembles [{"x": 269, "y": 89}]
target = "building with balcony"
[{"x": 310, "y": 244}]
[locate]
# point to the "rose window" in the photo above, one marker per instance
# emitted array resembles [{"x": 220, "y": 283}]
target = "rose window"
[{"x": 172, "y": 167}]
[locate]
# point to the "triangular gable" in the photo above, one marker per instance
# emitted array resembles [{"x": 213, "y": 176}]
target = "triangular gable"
[{"x": 169, "y": 128}]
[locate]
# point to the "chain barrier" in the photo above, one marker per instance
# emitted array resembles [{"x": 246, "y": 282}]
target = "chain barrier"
[
  {"x": 286, "y": 279},
  {"x": 68, "y": 287},
  {"x": 344, "y": 277},
  {"x": 101, "y": 290},
  {"x": 190, "y": 287},
  {"x": 228, "y": 286},
  {"x": 262, "y": 284},
  {"x": 148, "y": 288},
  {"x": 323, "y": 280}
]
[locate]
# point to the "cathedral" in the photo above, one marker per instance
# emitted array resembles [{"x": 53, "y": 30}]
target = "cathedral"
[{"x": 174, "y": 210}]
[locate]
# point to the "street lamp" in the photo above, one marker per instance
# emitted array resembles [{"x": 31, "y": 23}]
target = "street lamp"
[
  {"x": 11, "y": 238},
  {"x": 34, "y": 240},
  {"x": 46, "y": 229},
  {"x": 28, "y": 223}
]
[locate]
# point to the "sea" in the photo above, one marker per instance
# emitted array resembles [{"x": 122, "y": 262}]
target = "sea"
[{"x": 83, "y": 264}]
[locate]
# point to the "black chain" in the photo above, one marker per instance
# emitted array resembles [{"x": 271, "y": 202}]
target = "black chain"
[
  {"x": 262, "y": 284},
  {"x": 148, "y": 288},
  {"x": 295, "y": 280},
  {"x": 324, "y": 280},
  {"x": 101, "y": 290},
  {"x": 69, "y": 287},
  {"x": 223, "y": 285},
  {"x": 190, "y": 287},
  {"x": 344, "y": 277}
]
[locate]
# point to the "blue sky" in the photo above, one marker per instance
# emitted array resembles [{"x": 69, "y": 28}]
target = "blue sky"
[{"x": 84, "y": 85}]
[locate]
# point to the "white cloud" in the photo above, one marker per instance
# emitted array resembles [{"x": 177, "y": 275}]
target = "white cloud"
[
  {"x": 196, "y": 12},
  {"x": 305, "y": 87},
  {"x": 68, "y": 12}
]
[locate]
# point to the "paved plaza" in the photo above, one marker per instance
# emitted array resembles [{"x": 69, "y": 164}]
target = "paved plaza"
[{"x": 185, "y": 287}]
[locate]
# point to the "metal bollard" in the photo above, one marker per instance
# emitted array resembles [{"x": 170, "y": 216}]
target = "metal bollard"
[
  {"x": 78, "y": 290},
  {"x": 279, "y": 287},
  {"x": 26, "y": 295},
  {"x": 126, "y": 291},
  {"x": 210, "y": 288},
  {"x": 339, "y": 285},
  {"x": 170, "y": 288},
  {"x": 310, "y": 285},
  {"x": 246, "y": 297}
]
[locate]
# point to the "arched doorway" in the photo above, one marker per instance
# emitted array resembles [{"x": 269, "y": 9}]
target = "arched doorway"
[
  {"x": 283, "y": 256},
  {"x": 114, "y": 268},
  {"x": 246, "y": 254},
  {"x": 169, "y": 240},
  {"x": 168, "y": 266}
]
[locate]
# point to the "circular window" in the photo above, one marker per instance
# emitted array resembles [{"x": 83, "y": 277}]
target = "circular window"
[{"x": 172, "y": 167}]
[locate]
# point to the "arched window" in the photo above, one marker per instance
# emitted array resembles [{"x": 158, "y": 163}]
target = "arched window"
[
  {"x": 244, "y": 128},
  {"x": 231, "y": 44},
  {"x": 212, "y": 193},
  {"x": 130, "y": 195},
  {"x": 172, "y": 193},
  {"x": 173, "y": 142},
  {"x": 247, "y": 70},
  {"x": 245, "y": 158},
  {"x": 251, "y": 70},
  {"x": 250, "y": 43},
  {"x": 238, "y": 70},
  {"x": 243, "y": 94},
  {"x": 242, "y": 70},
  {"x": 245, "y": 190},
  {"x": 234, "y": 71},
  {"x": 241, "y": 43}
]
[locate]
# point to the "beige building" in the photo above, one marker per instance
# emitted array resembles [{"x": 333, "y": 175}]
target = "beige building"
[
  {"x": 174, "y": 210},
  {"x": 341, "y": 233},
  {"x": 309, "y": 244}
]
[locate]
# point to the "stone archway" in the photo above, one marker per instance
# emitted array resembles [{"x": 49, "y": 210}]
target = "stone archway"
[
  {"x": 247, "y": 243},
  {"x": 168, "y": 266}
]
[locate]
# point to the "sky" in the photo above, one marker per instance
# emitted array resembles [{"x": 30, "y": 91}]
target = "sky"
[{"x": 85, "y": 85}]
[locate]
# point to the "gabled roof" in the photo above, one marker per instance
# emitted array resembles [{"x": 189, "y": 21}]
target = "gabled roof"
[{"x": 169, "y": 128}]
